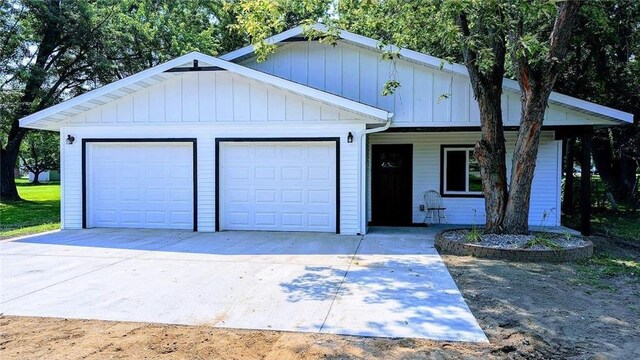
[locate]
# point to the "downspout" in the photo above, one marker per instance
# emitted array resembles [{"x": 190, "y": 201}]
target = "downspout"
[{"x": 362, "y": 169}]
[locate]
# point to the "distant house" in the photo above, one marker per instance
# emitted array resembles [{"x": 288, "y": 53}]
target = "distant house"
[
  {"x": 45, "y": 176},
  {"x": 301, "y": 142}
]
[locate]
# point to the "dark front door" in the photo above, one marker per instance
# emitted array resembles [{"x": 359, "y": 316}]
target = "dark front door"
[{"x": 391, "y": 184}]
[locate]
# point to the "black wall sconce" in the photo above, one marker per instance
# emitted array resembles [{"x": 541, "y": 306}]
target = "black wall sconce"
[
  {"x": 350, "y": 137},
  {"x": 70, "y": 139}
]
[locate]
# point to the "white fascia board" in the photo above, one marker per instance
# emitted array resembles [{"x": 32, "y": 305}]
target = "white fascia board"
[
  {"x": 434, "y": 62},
  {"x": 298, "y": 30}
]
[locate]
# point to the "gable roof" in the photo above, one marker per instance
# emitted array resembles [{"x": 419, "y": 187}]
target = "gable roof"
[
  {"x": 439, "y": 64},
  {"x": 52, "y": 117}
]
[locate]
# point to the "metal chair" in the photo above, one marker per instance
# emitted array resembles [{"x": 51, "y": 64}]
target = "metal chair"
[{"x": 433, "y": 206}]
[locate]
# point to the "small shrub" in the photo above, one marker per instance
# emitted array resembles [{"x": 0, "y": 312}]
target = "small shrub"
[
  {"x": 473, "y": 236},
  {"x": 542, "y": 239}
]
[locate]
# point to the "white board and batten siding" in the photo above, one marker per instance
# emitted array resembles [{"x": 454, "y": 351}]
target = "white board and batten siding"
[
  {"x": 210, "y": 96},
  {"x": 426, "y": 96},
  {"x": 207, "y": 106},
  {"x": 545, "y": 194}
]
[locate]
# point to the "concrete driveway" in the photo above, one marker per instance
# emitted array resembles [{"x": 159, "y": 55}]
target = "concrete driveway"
[{"x": 390, "y": 283}]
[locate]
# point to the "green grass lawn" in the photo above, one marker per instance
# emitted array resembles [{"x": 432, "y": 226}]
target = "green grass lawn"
[
  {"x": 622, "y": 225},
  {"x": 39, "y": 211}
]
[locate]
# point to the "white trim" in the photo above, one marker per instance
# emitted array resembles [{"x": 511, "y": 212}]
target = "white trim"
[
  {"x": 437, "y": 63},
  {"x": 466, "y": 149},
  {"x": 42, "y": 118}
]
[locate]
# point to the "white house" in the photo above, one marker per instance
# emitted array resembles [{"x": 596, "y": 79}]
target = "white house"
[{"x": 301, "y": 142}]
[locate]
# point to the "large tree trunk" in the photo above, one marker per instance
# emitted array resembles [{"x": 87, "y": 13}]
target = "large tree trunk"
[
  {"x": 536, "y": 81},
  {"x": 8, "y": 165},
  {"x": 525, "y": 154},
  {"x": 490, "y": 150},
  {"x": 491, "y": 154}
]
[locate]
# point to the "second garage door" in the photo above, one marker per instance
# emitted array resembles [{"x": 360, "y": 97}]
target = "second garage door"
[{"x": 278, "y": 186}]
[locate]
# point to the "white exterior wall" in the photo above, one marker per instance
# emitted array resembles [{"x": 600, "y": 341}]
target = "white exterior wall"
[
  {"x": 71, "y": 166},
  {"x": 426, "y": 97},
  {"x": 206, "y": 106},
  {"x": 208, "y": 97},
  {"x": 545, "y": 192}
]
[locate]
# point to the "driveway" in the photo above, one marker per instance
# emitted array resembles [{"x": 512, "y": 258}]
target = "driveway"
[{"x": 390, "y": 283}]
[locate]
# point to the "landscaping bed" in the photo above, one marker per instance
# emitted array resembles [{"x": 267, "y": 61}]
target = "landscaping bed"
[{"x": 537, "y": 246}]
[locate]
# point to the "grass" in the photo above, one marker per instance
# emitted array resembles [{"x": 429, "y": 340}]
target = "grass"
[
  {"x": 604, "y": 266},
  {"x": 39, "y": 210},
  {"x": 622, "y": 225},
  {"x": 542, "y": 239}
]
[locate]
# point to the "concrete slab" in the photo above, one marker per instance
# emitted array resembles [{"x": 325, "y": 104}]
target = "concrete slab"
[
  {"x": 382, "y": 285},
  {"x": 396, "y": 295}
]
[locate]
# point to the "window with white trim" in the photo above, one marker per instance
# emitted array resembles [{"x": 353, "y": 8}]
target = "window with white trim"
[{"x": 461, "y": 172}]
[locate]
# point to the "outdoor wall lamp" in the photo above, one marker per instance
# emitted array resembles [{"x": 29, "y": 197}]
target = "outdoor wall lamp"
[
  {"x": 70, "y": 139},
  {"x": 350, "y": 137}
]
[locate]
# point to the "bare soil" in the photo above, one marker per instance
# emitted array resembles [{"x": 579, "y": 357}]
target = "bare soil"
[{"x": 529, "y": 311}]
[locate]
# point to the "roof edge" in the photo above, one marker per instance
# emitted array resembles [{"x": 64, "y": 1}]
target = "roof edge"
[
  {"x": 434, "y": 62},
  {"x": 319, "y": 95}
]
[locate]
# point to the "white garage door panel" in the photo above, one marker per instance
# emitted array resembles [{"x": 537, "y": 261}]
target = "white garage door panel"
[
  {"x": 140, "y": 185},
  {"x": 278, "y": 186}
]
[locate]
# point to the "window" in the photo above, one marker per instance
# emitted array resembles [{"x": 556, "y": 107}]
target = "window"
[{"x": 460, "y": 172}]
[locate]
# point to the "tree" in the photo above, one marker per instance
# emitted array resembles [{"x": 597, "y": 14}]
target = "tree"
[
  {"x": 39, "y": 152},
  {"x": 535, "y": 35},
  {"x": 602, "y": 67},
  {"x": 536, "y": 65},
  {"x": 53, "y": 50},
  {"x": 52, "y": 54}
]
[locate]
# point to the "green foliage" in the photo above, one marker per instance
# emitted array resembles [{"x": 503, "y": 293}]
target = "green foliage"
[
  {"x": 542, "y": 239},
  {"x": 390, "y": 86},
  {"x": 259, "y": 19},
  {"x": 40, "y": 151},
  {"x": 38, "y": 212},
  {"x": 473, "y": 236}
]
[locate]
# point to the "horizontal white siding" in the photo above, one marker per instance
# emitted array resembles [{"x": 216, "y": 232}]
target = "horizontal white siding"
[
  {"x": 210, "y": 96},
  {"x": 426, "y": 96},
  {"x": 545, "y": 194},
  {"x": 71, "y": 166}
]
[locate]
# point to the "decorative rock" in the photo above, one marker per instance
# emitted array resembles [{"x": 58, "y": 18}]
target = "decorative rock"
[{"x": 574, "y": 248}]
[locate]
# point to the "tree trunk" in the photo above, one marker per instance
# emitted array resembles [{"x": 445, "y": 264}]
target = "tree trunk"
[
  {"x": 36, "y": 177},
  {"x": 7, "y": 166},
  {"x": 567, "y": 201},
  {"x": 536, "y": 81},
  {"x": 523, "y": 165},
  {"x": 491, "y": 154}
]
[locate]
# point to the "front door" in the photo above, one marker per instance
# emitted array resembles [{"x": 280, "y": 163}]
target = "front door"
[{"x": 391, "y": 184}]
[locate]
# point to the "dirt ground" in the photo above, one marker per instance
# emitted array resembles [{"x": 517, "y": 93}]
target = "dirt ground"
[{"x": 528, "y": 311}]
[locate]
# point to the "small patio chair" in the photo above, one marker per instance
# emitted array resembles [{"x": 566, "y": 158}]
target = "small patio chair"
[{"x": 433, "y": 207}]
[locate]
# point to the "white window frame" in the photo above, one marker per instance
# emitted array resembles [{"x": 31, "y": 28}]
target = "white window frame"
[{"x": 467, "y": 151}]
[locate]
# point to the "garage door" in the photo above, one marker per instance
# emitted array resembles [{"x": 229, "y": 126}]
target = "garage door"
[
  {"x": 140, "y": 185},
  {"x": 279, "y": 186}
]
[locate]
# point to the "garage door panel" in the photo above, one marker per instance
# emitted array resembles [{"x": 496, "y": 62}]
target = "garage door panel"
[
  {"x": 140, "y": 185},
  {"x": 278, "y": 186}
]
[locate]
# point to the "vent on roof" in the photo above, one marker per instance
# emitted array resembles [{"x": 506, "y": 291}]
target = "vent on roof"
[{"x": 195, "y": 67}]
